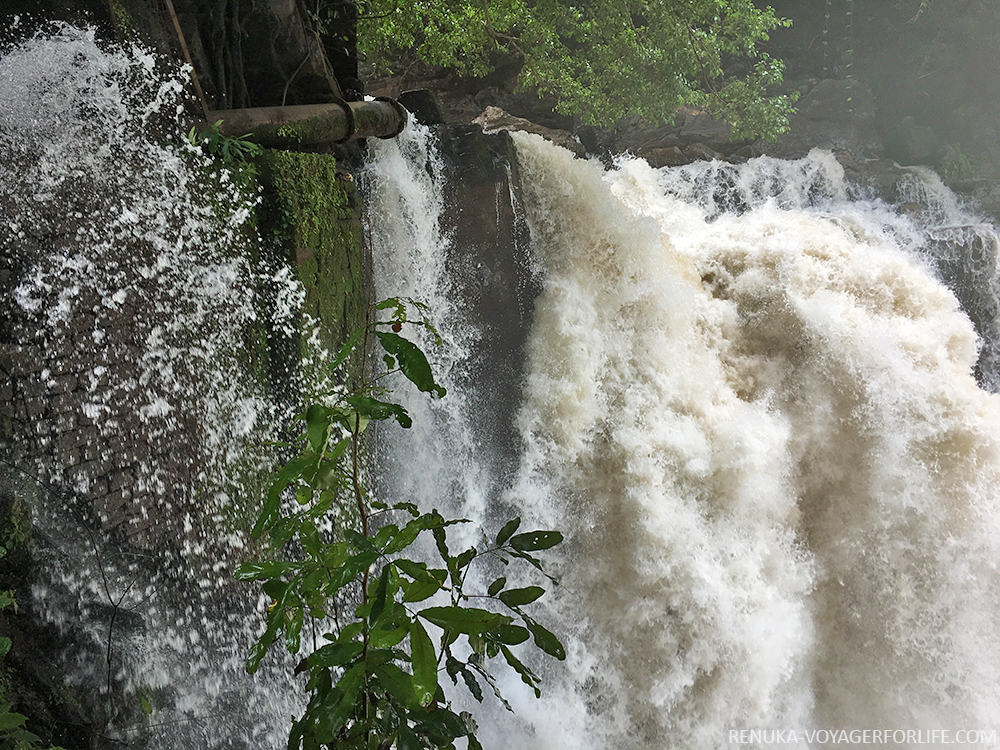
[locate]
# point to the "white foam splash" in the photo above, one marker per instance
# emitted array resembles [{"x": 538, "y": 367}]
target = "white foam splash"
[{"x": 763, "y": 435}]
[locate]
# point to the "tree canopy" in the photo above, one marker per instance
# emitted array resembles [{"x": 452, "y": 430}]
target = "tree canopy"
[{"x": 602, "y": 59}]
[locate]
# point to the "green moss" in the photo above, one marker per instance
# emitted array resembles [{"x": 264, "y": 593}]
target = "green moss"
[
  {"x": 315, "y": 220},
  {"x": 122, "y": 19}
]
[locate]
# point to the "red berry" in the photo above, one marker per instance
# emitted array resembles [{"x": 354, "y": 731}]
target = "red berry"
[{"x": 397, "y": 327}]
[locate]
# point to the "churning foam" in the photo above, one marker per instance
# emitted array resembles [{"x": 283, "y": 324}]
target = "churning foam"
[{"x": 761, "y": 431}]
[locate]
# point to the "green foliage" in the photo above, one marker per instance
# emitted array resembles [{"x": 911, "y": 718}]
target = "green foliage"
[
  {"x": 603, "y": 59},
  {"x": 236, "y": 154},
  {"x": 231, "y": 150},
  {"x": 392, "y": 621},
  {"x": 957, "y": 165},
  {"x": 13, "y": 735}
]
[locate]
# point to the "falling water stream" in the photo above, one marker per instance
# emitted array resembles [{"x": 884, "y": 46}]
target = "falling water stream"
[{"x": 749, "y": 402}]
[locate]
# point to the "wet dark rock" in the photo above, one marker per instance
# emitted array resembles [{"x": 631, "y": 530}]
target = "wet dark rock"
[
  {"x": 635, "y": 135},
  {"x": 493, "y": 278},
  {"x": 838, "y": 101},
  {"x": 666, "y": 157},
  {"x": 422, "y": 104},
  {"x": 913, "y": 143},
  {"x": 833, "y": 115},
  {"x": 595, "y": 140},
  {"x": 702, "y": 152},
  {"x": 881, "y": 176},
  {"x": 703, "y": 128}
]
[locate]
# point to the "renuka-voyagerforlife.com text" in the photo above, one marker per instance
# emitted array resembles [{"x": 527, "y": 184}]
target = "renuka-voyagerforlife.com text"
[{"x": 810, "y": 737}]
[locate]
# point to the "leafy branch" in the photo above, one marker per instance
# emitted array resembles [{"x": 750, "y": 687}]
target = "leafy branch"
[
  {"x": 375, "y": 681},
  {"x": 12, "y": 731}
]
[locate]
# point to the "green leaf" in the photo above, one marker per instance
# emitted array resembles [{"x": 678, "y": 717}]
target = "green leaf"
[
  {"x": 349, "y": 687},
  {"x": 382, "y": 638},
  {"x": 23, "y": 735},
  {"x": 424, "y": 660},
  {"x": 397, "y": 683},
  {"x": 335, "y": 654},
  {"x": 359, "y": 541},
  {"x": 270, "y": 512},
  {"x": 528, "y": 677},
  {"x": 407, "y": 535},
  {"x": 335, "y": 554},
  {"x": 441, "y": 724},
  {"x": 410, "y": 508},
  {"x": 147, "y": 707},
  {"x": 310, "y": 538},
  {"x": 5, "y": 645},
  {"x": 322, "y": 507},
  {"x": 545, "y": 640},
  {"x": 350, "y": 632},
  {"x": 379, "y": 410},
  {"x": 263, "y": 570},
  {"x": 275, "y": 588},
  {"x": 508, "y": 530},
  {"x": 283, "y": 530},
  {"x": 389, "y": 302},
  {"x": 442, "y": 545},
  {"x": 346, "y": 349},
  {"x": 496, "y": 586},
  {"x": 293, "y": 630},
  {"x": 473, "y": 742},
  {"x": 419, "y": 591},
  {"x": 317, "y": 426},
  {"x": 463, "y": 619},
  {"x": 257, "y": 653},
  {"x": 473, "y": 685},
  {"x": 415, "y": 570},
  {"x": 511, "y": 635},
  {"x": 333, "y": 455},
  {"x": 408, "y": 740},
  {"x": 412, "y": 362},
  {"x": 11, "y": 720},
  {"x": 535, "y": 540},
  {"x": 517, "y": 597},
  {"x": 272, "y": 505},
  {"x": 465, "y": 558},
  {"x": 351, "y": 569},
  {"x": 381, "y": 592}
]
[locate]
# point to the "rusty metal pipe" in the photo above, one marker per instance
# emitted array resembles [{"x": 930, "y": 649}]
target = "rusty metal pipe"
[{"x": 309, "y": 125}]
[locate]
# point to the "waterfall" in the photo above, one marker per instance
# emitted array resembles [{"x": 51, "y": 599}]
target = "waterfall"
[
  {"x": 750, "y": 405},
  {"x": 749, "y": 399}
]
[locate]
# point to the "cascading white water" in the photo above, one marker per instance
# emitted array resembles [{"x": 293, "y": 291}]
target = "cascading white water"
[
  {"x": 750, "y": 405},
  {"x": 405, "y": 202}
]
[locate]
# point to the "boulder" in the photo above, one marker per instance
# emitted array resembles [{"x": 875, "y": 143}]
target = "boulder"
[
  {"x": 702, "y": 128},
  {"x": 701, "y": 152},
  {"x": 494, "y": 119},
  {"x": 422, "y": 104},
  {"x": 665, "y": 157}
]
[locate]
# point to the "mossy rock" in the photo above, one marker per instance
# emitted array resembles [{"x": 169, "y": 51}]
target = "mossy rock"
[{"x": 314, "y": 216}]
